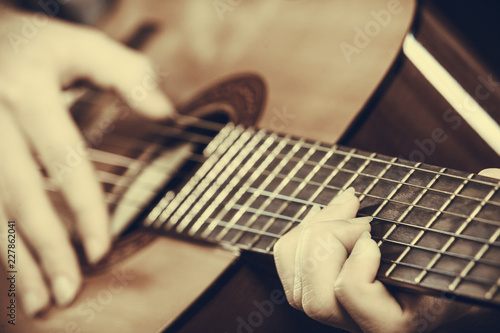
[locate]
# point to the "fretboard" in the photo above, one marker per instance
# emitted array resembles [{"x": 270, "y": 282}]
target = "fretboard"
[{"x": 437, "y": 228}]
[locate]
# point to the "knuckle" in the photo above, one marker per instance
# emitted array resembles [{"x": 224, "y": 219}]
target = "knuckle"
[
  {"x": 321, "y": 308},
  {"x": 321, "y": 314},
  {"x": 344, "y": 289}
]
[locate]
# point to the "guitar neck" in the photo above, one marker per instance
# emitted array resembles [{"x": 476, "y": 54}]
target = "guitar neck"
[{"x": 437, "y": 228}]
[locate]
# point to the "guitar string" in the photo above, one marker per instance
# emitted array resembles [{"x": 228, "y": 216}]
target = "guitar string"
[
  {"x": 376, "y": 219},
  {"x": 210, "y": 125},
  {"x": 379, "y": 197},
  {"x": 417, "y": 266},
  {"x": 478, "y": 219},
  {"x": 214, "y": 126},
  {"x": 387, "y": 240},
  {"x": 405, "y": 204},
  {"x": 145, "y": 144},
  {"x": 396, "y": 182},
  {"x": 217, "y": 125},
  {"x": 196, "y": 119}
]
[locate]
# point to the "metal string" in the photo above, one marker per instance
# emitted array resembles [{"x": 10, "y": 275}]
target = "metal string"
[{"x": 420, "y": 267}]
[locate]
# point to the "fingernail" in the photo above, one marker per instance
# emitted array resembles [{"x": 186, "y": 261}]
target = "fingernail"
[
  {"x": 360, "y": 246},
  {"x": 361, "y": 220},
  {"x": 32, "y": 304},
  {"x": 64, "y": 290},
  {"x": 343, "y": 197},
  {"x": 96, "y": 249}
]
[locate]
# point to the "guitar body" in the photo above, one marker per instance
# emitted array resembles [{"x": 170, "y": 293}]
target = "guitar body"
[{"x": 154, "y": 283}]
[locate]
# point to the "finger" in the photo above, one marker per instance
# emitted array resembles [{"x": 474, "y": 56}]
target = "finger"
[
  {"x": 284, "y": 257},
  {"x": 39, "y": 224},
  {"x": 494, "y": 173},
  {"x": 367, "y": 300},
  {"x": 343, "y": 206},
  {"x": 62, "y": 151},
  {"x": 109, "y": 64},
  {"x": 31, "y": 286},
  {"x": 322, "y": 253}
]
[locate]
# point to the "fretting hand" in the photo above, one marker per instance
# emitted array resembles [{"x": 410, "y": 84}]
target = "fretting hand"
[{"x": 328, "y": 265}]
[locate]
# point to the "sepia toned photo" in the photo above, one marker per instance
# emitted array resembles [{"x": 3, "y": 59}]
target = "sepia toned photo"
[{"x": 249, "y": 166}]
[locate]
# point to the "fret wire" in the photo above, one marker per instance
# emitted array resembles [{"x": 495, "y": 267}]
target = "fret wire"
[
  {"x": 234, "y": 181},
  {"x": 254, "y": 176},
  {"x": 484, "y": 261},
  {"x": 482, "y": 250},
  {"x": 199, "y": 183},
  {"x": 492, "y": 291},
  {"x": 452, "y": 239},
  {"x": 217, "y": 148},
  {"x": 277, "y": 236},
  {"x": 295, "y": 148},
  {"x": 297, "y": 190},
  {"x": 436, "y": 271},
  {"x": 216, "y": 178},
  {"x": 375, "y": 180},
  {"x": 409, "y": 167},
  {"x": 320, "y": 188},
  {"x": 465, "y": 237},
  {"x": 128, "y": 160},
  {"x": 233, "y": 221},
  {"x": 391, "y": 194},
  {"x": 183, "y": 120},
  {"x": 222, "y": 138},
  {"x": 388, "y": 165},
  {"x": 433, "y": 219},
  {"x": 405, "y": 213},
  {"x": 478, "y": 219},
  {"x": 355, "y": 174},
  {"x": 295, "y": 221}
]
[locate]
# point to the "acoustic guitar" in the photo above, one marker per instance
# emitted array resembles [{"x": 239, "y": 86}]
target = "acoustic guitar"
[{"x": 223, "y": 192}]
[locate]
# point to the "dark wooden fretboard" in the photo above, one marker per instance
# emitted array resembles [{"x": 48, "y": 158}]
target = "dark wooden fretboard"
[{"x": 437, "y": 228}]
